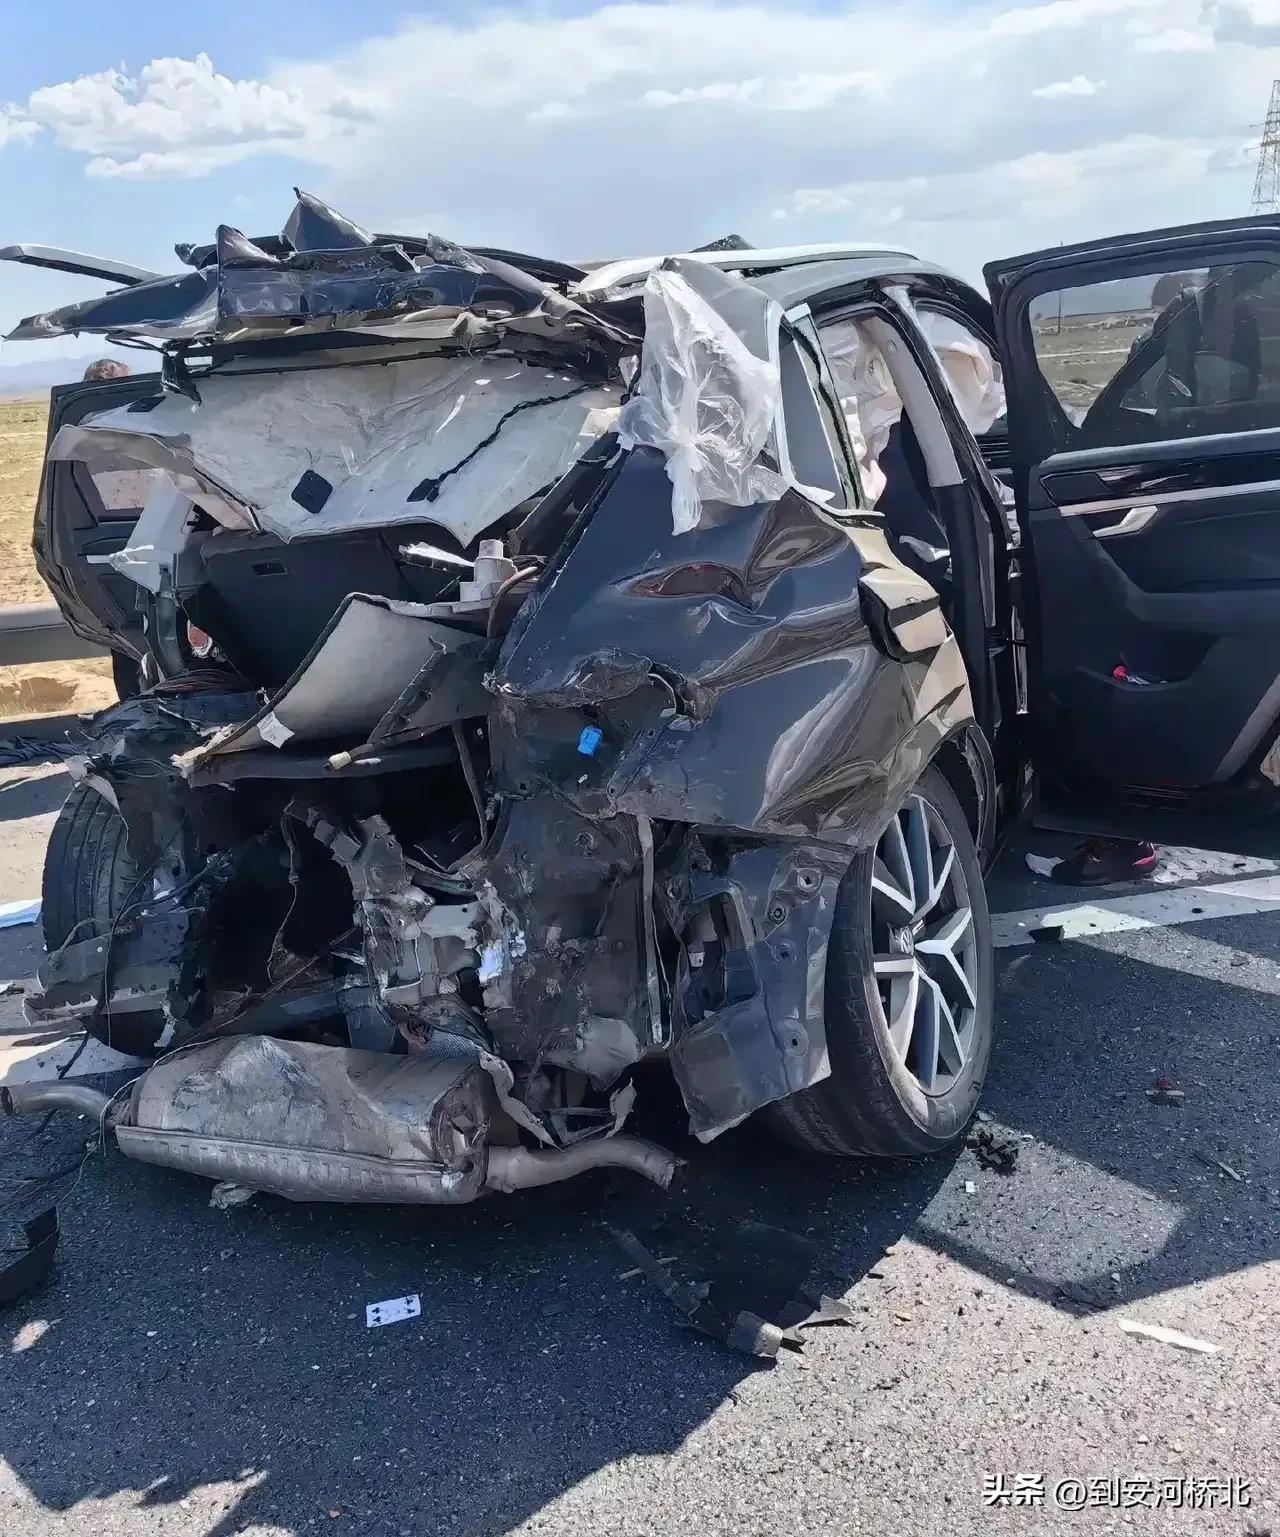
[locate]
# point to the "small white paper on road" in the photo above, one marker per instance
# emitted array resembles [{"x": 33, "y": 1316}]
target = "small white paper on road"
[
  {"x": 14, "y": 914},
  {"x": 1167, "y": 1336},
  {"x": 393, "y": 1311}
]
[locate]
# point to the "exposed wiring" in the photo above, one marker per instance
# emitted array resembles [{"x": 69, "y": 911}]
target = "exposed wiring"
[
  {"x": 469, "y": 774},
  {"x": 522, "y": 575},
  {"x": 429, "y": 489}
]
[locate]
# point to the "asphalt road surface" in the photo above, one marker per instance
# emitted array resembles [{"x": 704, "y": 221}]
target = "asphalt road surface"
[{"x": 205, "y": 1373}]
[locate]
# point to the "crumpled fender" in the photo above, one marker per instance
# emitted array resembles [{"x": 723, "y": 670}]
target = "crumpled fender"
[{"x": 771, "y": 681}]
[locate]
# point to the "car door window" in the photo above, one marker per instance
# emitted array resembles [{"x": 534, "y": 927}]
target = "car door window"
[
  {"x": 813, "y": 446},
  {"x": 1162, "y": 355}
]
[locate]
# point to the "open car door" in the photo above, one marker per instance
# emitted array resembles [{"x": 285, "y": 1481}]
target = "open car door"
[
  {"x": 1143, "y": 376},
  {"x": 80, "y": 516}
]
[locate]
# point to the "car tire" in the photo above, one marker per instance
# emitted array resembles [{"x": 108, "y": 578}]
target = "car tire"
[
  {"x": 910, "y": 992},
  {"x": 89, "y": 877}
]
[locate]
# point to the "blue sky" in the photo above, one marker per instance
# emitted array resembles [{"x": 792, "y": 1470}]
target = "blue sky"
[{"x": 964, "y": 131}]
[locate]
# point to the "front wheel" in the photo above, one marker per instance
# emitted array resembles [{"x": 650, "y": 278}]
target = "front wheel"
[
  {"x": 90, "y": 880},
  {"x": 910, "y": 992}
]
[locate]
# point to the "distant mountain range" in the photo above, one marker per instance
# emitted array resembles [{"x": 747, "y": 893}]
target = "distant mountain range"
[{"x": 36, "y": 375}]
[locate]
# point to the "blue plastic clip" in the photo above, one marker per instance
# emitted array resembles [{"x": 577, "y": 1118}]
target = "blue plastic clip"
[{"x": 591, "y": 738}]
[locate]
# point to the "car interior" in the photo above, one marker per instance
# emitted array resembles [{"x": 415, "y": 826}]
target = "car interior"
[{"x": 1148, "y": 420}]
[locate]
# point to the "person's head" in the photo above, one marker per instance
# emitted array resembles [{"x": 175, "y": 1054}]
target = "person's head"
[
  {"x": 107, "y": 368},
  {"x": 1170, "y": 286}
]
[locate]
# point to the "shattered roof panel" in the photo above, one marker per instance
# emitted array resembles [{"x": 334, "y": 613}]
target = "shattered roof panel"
[{"x": 324, "y": 273}]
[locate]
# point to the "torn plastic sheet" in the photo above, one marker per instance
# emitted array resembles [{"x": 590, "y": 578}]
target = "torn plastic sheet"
[
  {"x": 312, "y": 451},
  {"x": 703, "y": 398}
]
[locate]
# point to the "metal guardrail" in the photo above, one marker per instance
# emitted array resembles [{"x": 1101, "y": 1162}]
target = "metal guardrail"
[{"x": 37, "y": 632}]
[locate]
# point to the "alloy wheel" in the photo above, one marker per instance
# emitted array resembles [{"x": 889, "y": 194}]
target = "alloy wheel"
[{"x": 925, "y": 951}]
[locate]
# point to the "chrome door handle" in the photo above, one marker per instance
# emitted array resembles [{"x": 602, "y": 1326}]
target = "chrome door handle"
[{"x": 1133, "y": 521}]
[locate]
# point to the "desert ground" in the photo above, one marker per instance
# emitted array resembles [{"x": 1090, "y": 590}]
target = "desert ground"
[{"x": 47, "y": 687}]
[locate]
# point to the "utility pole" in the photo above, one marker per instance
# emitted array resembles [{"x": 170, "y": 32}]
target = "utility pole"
[{"x": 1266, "y": 184}]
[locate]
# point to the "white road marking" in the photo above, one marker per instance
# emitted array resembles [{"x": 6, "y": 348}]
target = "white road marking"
[{"x": 1148, "y": 910}]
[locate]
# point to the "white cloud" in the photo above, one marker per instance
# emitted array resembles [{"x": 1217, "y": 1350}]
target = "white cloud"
[
  {"x": 1078, "y": 85},
  {"x": 645, "y": 124},
  {"x": 1172, "y": 40},
  {"x": 162, "y": 165},
  {"x": 552, "y": 112},
  {"x": 179, "y": 117},
  {"x": 1241, "y": 156},
  {"x": 795, "y": 93},
  {"x": 1030, "y": 20},
  {"x": 15, "y": 127},
  {"x": 1253, "y": 22},
  {"x": 1028, "y": 187}
]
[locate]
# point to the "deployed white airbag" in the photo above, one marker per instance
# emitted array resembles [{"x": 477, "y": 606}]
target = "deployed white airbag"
[
  {"x": 869, "y": 398},
  {"x": 366, "y": 437},
  {"x": 702, "y": 398},
  {"x": 974, "y": 376}
]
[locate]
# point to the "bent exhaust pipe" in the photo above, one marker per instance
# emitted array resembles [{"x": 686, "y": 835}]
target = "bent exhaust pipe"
[
  {"x": 35, "y": 1098},
  {"x": 519, "y": 1168},
  {"x": 219, "y": 1150}
]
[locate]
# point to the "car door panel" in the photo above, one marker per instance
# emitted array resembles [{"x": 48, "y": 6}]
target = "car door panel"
[
  {"x": 80, "y": 518},
  {"x": 1150, "y": 516}
]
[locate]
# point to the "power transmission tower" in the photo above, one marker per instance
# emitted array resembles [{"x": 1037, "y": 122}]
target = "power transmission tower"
[{"x": 1266, "y": 184}]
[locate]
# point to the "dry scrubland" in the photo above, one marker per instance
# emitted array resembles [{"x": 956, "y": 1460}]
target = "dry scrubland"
[{"x": 49, "y": 686}]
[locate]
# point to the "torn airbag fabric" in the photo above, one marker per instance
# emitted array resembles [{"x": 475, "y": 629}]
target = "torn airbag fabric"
[
  {"x": 702, "y": 398},
  {"x": 373, "y": 432}
]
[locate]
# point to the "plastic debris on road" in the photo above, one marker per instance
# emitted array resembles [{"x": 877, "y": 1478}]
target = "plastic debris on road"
[
  {"x": 993, "y": 1150},
  {"x": 227, "y": 1194},
  {"x": 13, "y": 915},
  {"x": 394, "y": 1311},
  {"x": 760, "y": 1290}
]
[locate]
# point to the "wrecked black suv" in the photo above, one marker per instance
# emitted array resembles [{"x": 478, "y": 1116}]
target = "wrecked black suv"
[{"x": 549, "y": 671}]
